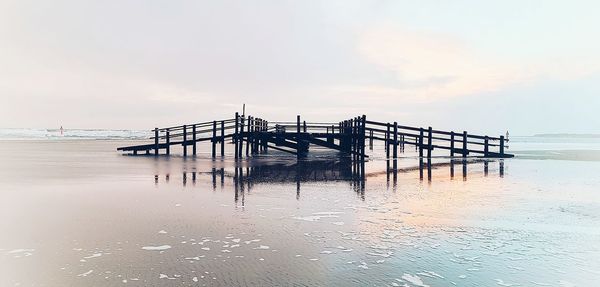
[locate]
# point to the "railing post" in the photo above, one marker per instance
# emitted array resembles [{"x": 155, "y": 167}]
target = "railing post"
[
  {"x": 452, "y": 143},
  {"x": 395, "y": 142},
  {"x": 362, "y": 140},
  {"x": 235, "y": 136},
  {"x": 168, "y": 141},
  {"x": 194, "y": 139},
  {"x": 464, "y": 154},
  {"x": 486, "y": 147},
  {"x": 387, "y": 141},
  {"x": 184, "y": 140},
  {"x": 420, "y": 142},
  {"x": 304, "y": 125},
  {"x": 155, "y": 141},
  {"x": 214, "y": 139},
  {"x": 429, "y": 142},
  {"x": 501, "y": 146},
  {"x": 222, "y": 138},
  {"x": 248, "y": 135},
  {"x": 241, "y": 137}
]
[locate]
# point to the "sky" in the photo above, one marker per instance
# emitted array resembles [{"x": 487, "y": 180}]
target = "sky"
[{"x": 483, "y": 66}]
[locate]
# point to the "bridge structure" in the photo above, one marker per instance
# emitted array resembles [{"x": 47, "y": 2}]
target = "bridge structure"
[{"x": 252, "y": 136}]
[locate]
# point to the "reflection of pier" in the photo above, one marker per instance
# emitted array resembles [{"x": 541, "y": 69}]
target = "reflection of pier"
[
  {"x": 243, "y": 178},
  {"x": 427, "y": 167}
]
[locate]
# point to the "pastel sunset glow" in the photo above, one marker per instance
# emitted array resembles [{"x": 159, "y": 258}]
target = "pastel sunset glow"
[{"x": 523, "y": 66}]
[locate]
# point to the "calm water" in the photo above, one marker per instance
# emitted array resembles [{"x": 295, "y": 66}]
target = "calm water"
[{"x": 76, "y": 213}]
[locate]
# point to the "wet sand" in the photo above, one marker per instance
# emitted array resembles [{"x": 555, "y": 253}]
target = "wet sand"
[{"x": 76, "y": 213}]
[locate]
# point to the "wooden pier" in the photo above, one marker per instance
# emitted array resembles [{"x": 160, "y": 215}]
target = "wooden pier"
[{"x": 253, "y": 135}]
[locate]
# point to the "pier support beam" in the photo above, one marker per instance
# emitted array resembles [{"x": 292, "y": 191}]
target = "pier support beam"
[
  {"x": 184, "y": 140},
  {"x": 155, "y": 141}
]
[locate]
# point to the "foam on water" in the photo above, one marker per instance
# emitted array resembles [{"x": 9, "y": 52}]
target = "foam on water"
[{"x": 157, "y": 248}]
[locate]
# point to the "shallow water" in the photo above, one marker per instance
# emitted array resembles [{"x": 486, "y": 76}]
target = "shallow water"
[{"x": 76, "y": 213}]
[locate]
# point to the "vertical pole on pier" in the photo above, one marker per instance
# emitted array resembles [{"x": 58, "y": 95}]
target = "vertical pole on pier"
[
  {"x": 298, "y": 136},
  {"x": 429, "y": 142},
  {"x": 464, "y": 144},
  {"x": 421, "y": 142},
  {"x": 371, "y": 139},
  {"x": 194, "y": 139},
  {"x": 241, "y": 137},
  {"x": 214, "y": 139},
  {"x": 235, "y": 136},
  {"x": 155, "y": 141},
  {"x": 304, "y": 125},
  {"x": 452, "y": 143},
  {"x": 184, "y": 140},
  {"x": 486, "y": 147},
  {"x": 222, "y": 138},
  {"x": 248, "y": 130},
  {"x": 387, "y": 142},
  {"x": 395, "y": 140},
  {"x": 501, "y": 146},
  {"x": 395, "y": 146},
  {"x": 168, "y": 141}
]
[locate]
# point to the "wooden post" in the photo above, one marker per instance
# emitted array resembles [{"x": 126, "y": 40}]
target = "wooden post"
[
  {"x": 421, "y": 142},
  {"x": 214, "y": 139},
  {"x": 155, "y": 141},
  {"x": 452, "y": 143},
  {"x": 395, "y": 140},
  {"x": 298, "y": 124},
  {"x": 222, "y": 138},
  {"x": 464, "y": 144},
  {"x": 387, "y": 142},
  {"x": 235, "y": 136},
  {"x": 371, "y": 139},
  {"x": 184, "y": 140},
  {"x": 241, "y": 137},
  {"x": 429, "y": 142},
  {"x": 304, "y": 124},
  {"x": 194, "y": 139},
  {"x": 248, "y": 129},
  {"x": 168, "y": 141},
  {"x": 501, "y": 146},
  {"x": 362, "y": 140},
  {"x": 486, "y": 146}
]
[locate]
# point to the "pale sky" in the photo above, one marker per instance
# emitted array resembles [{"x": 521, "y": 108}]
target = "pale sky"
[{"x": 482, "y": 66}]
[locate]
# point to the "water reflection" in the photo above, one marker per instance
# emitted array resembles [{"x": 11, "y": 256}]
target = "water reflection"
[{"x": 243, "y": 175}]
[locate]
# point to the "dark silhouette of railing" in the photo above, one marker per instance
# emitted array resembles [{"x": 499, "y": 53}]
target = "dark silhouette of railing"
[{"x": 252, "y": 135}]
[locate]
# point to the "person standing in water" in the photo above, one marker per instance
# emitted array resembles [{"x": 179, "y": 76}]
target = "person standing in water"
[{"x": 61, "y": 130}]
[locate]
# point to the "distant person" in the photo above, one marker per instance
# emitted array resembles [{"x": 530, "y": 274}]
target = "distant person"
[
  {"x": 61, "y": 130},
  {"x": 506, "y": 135}
]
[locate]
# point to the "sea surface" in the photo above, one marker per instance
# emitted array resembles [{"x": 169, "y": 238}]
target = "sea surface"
[{"x": 75, "y": 212}]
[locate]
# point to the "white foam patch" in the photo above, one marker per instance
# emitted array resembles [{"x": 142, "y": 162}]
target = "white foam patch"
[
  {"x": 164, "y": 276},
  {"x": 205, "y": 248},
  {"x": 414, "y": 279},
  {"x": 157, "y": 248},
  {"x": 93, "y": 256},
  {"x": 20, "y": 251},
  {"x": 162, "y": 232},
  {"x": 502, "y": 283},
  {"x": 262, "y": 247},
  {"x": 85, "y": 273}
]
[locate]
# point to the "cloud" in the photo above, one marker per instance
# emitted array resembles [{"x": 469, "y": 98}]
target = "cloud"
[{"x": 427, "y": 66}]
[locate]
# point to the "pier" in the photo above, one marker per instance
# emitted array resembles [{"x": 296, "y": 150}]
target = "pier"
[{"x": 352, "y": 138}]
